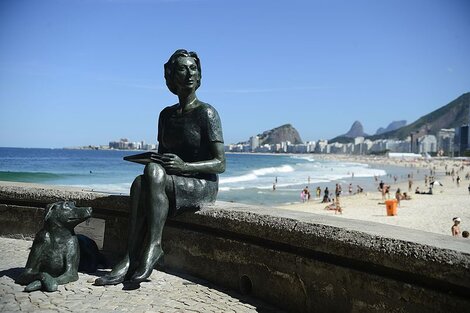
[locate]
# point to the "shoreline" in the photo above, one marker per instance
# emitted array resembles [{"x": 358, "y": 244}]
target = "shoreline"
[{"x": 431, "y": 213}]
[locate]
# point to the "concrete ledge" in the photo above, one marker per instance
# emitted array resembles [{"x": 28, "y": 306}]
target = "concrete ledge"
[{"x": 298, "y": 261}]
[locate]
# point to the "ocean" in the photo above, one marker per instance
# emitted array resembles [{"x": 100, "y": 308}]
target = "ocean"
[{"x": 249, "y": 178}]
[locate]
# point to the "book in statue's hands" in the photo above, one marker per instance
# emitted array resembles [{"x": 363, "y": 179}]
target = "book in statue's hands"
[{"x": 143, "y": 158}]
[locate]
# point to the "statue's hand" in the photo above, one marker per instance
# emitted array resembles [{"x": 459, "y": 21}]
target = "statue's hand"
[{"x": 173, "y": 163}]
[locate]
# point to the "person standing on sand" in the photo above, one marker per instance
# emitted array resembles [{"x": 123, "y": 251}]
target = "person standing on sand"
[
  {"x": 398, "y": 196},
  {"x": 381, "y": 188},
  {"x": 338, "y": 190},
  {"x": 456, "y": 228},
  {"x": 387, "y": 191},
  {"x": 306, "y": 193},
  {"x": 326, "y": 196}
]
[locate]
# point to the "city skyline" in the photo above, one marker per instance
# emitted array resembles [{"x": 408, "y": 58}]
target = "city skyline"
[{"x": 75, "y": 73}]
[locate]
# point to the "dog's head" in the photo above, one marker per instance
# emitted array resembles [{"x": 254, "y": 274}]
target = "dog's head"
[{"x": 66, "y": 214}]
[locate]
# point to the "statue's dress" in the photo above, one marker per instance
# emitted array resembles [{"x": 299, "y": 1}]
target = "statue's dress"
[{"x": 189, "y": 135}]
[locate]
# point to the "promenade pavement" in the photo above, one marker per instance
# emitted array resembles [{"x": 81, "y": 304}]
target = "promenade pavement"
[{"x": 165, "y": 292}]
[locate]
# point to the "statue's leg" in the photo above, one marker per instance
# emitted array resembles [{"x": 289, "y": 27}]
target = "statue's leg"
[
  {"x": 157, "y": 211},
  {"x": 135, "y": 237}
]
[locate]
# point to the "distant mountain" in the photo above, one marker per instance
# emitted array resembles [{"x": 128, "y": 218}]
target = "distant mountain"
[
  {"x": 452, "y": 115},
  {"x": 392, "y": 126},
  {"x": 356, "y": 130},
  {"x": 279, "y": 134}
]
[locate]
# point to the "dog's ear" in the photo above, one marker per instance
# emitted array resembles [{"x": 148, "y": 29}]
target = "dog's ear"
[{"x": 49, "y": 211}]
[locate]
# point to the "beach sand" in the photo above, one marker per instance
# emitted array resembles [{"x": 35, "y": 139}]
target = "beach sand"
[{"x": 431, "y": 213}]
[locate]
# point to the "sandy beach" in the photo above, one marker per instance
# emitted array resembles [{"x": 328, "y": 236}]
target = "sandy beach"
[{"x": 432, "y": 213}]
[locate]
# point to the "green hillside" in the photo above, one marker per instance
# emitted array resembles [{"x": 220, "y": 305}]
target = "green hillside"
[{"x": 451, "y": 115}]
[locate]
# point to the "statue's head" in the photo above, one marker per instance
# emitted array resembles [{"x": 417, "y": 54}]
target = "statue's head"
[{"x": 171, "y": 67}]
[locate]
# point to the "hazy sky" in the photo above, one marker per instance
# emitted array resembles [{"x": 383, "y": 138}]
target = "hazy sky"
[{"x": 79, "y": 72}]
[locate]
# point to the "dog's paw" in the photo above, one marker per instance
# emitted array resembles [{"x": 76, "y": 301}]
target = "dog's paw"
[
  {"x": 35, "y": 285},
  {"x": 50, "y": 285}
]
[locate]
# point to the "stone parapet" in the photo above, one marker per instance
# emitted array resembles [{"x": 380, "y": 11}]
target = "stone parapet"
[{"x": 299, "y": 261}]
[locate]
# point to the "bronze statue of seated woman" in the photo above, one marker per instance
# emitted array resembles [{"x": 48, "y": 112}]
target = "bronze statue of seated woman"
[{"x": 182, "y": 174}]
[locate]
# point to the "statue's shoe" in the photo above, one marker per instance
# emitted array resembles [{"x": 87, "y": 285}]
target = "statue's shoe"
[
  {"x": 110, "y": 280},
  {"x": 141, "y": 274}
]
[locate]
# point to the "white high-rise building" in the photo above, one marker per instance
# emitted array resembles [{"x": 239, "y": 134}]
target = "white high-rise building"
[{"x": 254, "y": 143}]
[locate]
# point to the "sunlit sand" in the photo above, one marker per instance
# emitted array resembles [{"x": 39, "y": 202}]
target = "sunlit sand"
[{"x": 431, "y": 213}]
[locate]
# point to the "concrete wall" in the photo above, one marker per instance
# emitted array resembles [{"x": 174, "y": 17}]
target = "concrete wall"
[{"x": 297, "y": 261}]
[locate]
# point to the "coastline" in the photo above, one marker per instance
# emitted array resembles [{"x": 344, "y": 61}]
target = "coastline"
[{"x": 431, "y": 213}]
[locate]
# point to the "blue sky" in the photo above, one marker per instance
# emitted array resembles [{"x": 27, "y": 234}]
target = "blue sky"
[{"x": 79, "y": 72}]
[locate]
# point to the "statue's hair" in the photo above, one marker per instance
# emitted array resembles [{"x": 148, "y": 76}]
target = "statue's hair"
[{"x": 170, "y": 68}]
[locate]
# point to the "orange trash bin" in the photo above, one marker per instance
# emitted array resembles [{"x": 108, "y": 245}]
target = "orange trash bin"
[{"x": 391, "y": 207}]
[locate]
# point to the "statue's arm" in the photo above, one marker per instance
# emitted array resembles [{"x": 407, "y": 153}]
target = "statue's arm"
[
  {"x": 213, "y": 166},
  {"x": 216, "y": 165}
]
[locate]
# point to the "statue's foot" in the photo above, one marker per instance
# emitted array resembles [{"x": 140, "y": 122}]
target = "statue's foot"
[
  {"x": 146, "y": 267},
  {"x": 110, "y": 280},
  {"x": 116, "y": 276}
]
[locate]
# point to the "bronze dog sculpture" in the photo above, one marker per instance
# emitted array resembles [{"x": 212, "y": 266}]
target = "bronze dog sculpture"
[{"x": 54, "y": 256}]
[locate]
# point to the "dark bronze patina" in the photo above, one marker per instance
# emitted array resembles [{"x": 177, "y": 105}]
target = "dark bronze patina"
[
  {"x": 183, "y": 174},
  {"x": 54, "y": 256}
]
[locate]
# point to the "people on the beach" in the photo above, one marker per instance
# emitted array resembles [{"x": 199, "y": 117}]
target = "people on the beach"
[
  {"x": 338, "y": 208},
  {"x": 318, "y": 192},
  {"x": 335, "y": 206},
  {"x": 381, "y": 188},
  {"x": 429, "y": 192},
  {"x": 381, "y": 185},
  {"x": 465, "y": 234},
  {"x": 398, "y": 196},
  {"x": 359, "y": 189},
  {"x": 338, "y": 190},
  {"x": 456, "y": 228},
  {"x": 410, "y": 183},
  {"x": 387, "y": 191},
  {"x": 305, "y": 194},
  {"x": 326, "y": 195}
]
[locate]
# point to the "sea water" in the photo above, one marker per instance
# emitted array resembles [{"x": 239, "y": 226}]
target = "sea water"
[{"x": 249, "y": 178}]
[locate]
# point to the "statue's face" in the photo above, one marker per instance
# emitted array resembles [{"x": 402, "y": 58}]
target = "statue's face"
[{"x": 186, "y": 74}]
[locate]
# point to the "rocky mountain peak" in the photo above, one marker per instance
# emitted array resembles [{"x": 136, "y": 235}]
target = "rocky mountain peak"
[
  {"x": 356, "y": 130},
  {"x": 279, "y": 134}
]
